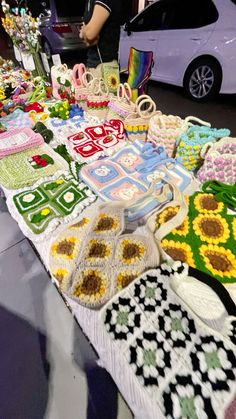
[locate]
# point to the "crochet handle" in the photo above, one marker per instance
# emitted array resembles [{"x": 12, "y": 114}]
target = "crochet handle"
[
  {"x": 222, "y": 192},
  {"x": 124, "y": 92},
  {"x": 205, "y": 149},
  {"x": 199, "y": 121},
  {"x": 99, "y": 87},
  {"x": 87, "y": 79},
  {"x": 77, "y": 73},
  {"x": 144, "y": 100}
]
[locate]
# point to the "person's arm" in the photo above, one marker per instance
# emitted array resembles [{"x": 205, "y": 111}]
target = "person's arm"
[{"x": 90, "y": 32}]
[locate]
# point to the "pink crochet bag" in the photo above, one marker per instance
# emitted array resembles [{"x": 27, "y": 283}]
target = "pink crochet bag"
[
  {"x": 81, "y": 82},
  {"x": 121, "y": 106}
]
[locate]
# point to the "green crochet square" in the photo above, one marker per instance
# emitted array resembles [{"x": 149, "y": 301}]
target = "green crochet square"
[{"x": 26, "y": 201}]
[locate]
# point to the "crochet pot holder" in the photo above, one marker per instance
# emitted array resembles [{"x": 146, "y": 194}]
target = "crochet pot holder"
[
  {"x": 206, "y": 238},
  {"x": 25, "y": 168},
  {"x": 18, "y": 139},
  {"x": 130, "y": 172},
  {"x": 220, "y": 161},
  {"x": 96, "y": 141},
  {"x": 185, "y": 363},
  {"x": 48, "y": 203},
  {"x": 189, "y": 145},
  {"x": 94, "y": 259}
]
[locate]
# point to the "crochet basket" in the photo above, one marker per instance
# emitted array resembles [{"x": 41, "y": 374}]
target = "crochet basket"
[
  {"x": 121, "y": 106},
  {"x": 98, "y": 99},
  {"x": 137, "y": 123},
  {"x": 81, "y": 82},
  {"x": 164, "y": 130},
  {"x": 62, "y": 72},
  {"x": 190, "y": 143},
  {"x": 220, "y": 161}
]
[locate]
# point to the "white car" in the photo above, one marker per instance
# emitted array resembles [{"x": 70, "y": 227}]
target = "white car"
[{"x": 193, "y": 42}]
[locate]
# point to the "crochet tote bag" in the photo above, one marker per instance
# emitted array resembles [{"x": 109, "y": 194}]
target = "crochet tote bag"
[
  {"x": 121, "y": 106},
  {"x": 60, "y": 74}
]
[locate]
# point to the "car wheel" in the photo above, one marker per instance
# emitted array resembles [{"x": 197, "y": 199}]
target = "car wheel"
[
  {"x": 203, "y": 79},
  {"x": 47, "y": 49}
]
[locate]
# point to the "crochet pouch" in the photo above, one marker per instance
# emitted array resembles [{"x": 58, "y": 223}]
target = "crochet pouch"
[
  {"x": 98, "y": 99},
  {"x": 190, "y": 143},
  {"x": 121, "y": 106},
  {"x": 219, "y": 161},
  {"x": 95, "y": 258},
  {"x": 81, "y": 80},
  {"x": 61, "y": 76},
  {"x": 164, "y": 130},
  {"x": 137, "y": 123},
  {"x": 173, "y": 334}
]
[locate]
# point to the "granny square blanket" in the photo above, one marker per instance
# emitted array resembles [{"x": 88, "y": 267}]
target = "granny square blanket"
[
  {"x": 185, "y": 367},
  {"x": 25, "y": 168},
  {"x": 18, "y": 139},
  {"x": 131, "y": 171},
  {"x": 17, "y": 119},
  {"x": 96, "y": 141},
  {"x": 41, "y": 208}
]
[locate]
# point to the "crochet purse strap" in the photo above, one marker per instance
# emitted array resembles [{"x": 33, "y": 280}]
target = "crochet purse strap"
[{"x": 222, "y": 192}]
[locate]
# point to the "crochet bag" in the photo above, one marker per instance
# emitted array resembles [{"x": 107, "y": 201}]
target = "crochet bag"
[
  {"x": 98, "y": 99},
  {"x": 94, "y": 259},
  {"x": 121, "y": 106},
  {"x": 110, "y": 73},
  {"x": 164, "y": 130},
  {"x": 81, "y": 81},
  {"x": 220, "y": 161},
  {"x": 137, "y": 123},
  {"x": 173, "y": 331},
  {"x": 60, "y": 74},
  {"x": 189, "y": 145}
]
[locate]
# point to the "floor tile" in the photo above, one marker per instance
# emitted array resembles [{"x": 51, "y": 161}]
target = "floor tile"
[{"x": 10, "y": 232}]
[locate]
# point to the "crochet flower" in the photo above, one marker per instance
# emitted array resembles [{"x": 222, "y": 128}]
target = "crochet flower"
[
  {"x": 106, "y": 223},
  {"x": 234, "y": 228},
  {"x": 178, "y": 251},
  {"x": 112, "y": 81},
  {"x": 45, "y": 211},
  {"x": 149, "y": 293},
  {"x": 65, "y": 248},
  {"x": 61, "y": 274},
  {"x": 59, "y": 181},
  {"x": 90, "y": 286},
  {"x": 167, "y": 214},
  {"x": 211, "y": 228},
  {"x": 125, "y": 277},
  {"x": 131, "y": 251},
  {"x": 206, "y": 203},
  {"x": 98, "y": 250},
  {"x": 219, "y": 261}
]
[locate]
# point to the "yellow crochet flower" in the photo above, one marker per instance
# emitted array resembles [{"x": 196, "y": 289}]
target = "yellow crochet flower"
[
  {"x": 166, "y": 215},
  {"x": 98, "y": 249},
  {"x": 206, "y": 203},
  {"x": 65, "y": 248},
  {"x": 183, "y": 229},
  {"x": 211, "y": 228},
  {"x": 2, "y": 94},
  {"x": 45, "y": 211},
  {"x": 218, "y": 260},
  {"x": 112, "y": 81},
  {"x": 60, "y": 274},
  {"x": 106, "y": 223},
  {"x": 131, "y": 251},
  {"x": 124, "y": 278},
  {"x": 234, "y": 228},
  {"x": 59, "y": 181},
  {"x": 178, "y": 251},
  {"x": 91, "y": 286}
]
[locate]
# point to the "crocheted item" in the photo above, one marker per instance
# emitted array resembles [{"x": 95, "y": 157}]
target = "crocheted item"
[
  {"x": 130, "y": 172},
  {"x": 185, "y": 366},
  {"x": 41, "y": 208},
  {"x": 222, "y": 192},
  {"x": 26, "y": 168},
  {"x": 220, "y": 161},
  {"x": 96, "y": 141},
  {"x": 18, "y": 139},
  {"x": 17, "y": 119},
  {"x": 190, "y": 143},
  {"x": 206, "y": 238}
]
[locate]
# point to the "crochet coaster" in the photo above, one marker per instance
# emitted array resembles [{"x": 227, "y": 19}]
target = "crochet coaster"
[
  {"x": 18, "y": 139},
  {"x": 26, "y": 168},
  {"x": 41, "y": 208},
  {"x": 206, "y": 238},
  {"x": 17, "y": 119},
  {"x": 186, "y": 367},
  {"x": 96, "y": 141}
]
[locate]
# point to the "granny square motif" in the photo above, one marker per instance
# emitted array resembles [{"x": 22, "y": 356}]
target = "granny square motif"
[
  {"x": 18, "y": 139},
  {"x": 25, "y": 168},
  {"x": 96, "y": 141},
  {"x": 17, "y": 119},
  {"x": 185, "y": 367},
  {"x": 41, "y": 208}
]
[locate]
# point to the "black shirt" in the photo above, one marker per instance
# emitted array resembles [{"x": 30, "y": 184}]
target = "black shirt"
[{"x": 110, "y": 34}]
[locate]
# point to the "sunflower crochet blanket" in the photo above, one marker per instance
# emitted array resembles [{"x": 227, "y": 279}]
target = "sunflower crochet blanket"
[
  {"x": 185, "y": 364},
  {"x": 206, "y": 238}
]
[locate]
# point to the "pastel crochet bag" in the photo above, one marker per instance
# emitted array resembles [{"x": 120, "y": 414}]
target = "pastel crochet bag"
[
  {"x": 81, "y": 81},
  {"x": 219, "y": 161},
  {"x": 190, "y": 143},
  {"x": 94, "y": 259},
  {"x": 121, "y": 106},
  {"x": 98, "y": 99},
  {"x": 18, "y": 139},
  {"x": 164, "y": 130},
  {"x": 137, "y": 123},
  {"x": 173, "y": 333},
  {"x": 60, "y": 74}
]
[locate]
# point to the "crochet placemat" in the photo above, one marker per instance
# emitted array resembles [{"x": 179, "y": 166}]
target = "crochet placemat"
[
  {"x": 18, "y": 139},
  {"x": 206, "y": 238},
  {"x": 187, "y": 368},
  {"x": 25, "y": 168},
  {"x": 41, "y": 208}
]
